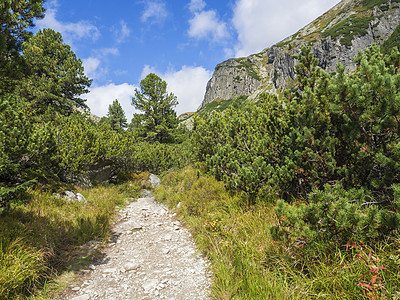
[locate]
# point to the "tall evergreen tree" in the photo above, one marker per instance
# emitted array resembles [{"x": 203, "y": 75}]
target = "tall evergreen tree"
[
  {"x": 16, "y": 18},
  {"x": 159, "y": 119},
  {"x": 56, "y": 78},
  {"x": 116, "y": 116}
]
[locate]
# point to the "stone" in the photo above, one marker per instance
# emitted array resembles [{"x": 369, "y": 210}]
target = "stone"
[
  {"x": 146, "y": 193},
  {"x": 135, "y": 226},
  {"x": 110, "y": 270},
  {"x": 92, "y": 267},
  {"x": 73, "y": 196},
  {"x": 150, "y": 285},
  {"x": 81, "y": 198},
  {"x": 131, "y": 266},
  {"x": 69, "y": 195},
  {"x": 82, "y": 297},
  {"x": 93, "y": 243},
  {"x": 154, "y": 180}
]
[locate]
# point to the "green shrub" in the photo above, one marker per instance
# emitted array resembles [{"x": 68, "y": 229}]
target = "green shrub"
[
  {"x": 335, "y": 215},
  {"x": 241, "y": 146}
]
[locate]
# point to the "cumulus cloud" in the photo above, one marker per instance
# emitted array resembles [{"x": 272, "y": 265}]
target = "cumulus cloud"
[
  {"x": 155, "y": 11},
  {"x": 262, "y": 23},
  {"x": 91, "y": 65},
  {"x": 121, "y": 32},
  {"x": 196, "y": 5},
  {"x": 100, "y": 97},
  {"x": 94, "y": 65},
  {"x": 107, "y": 51},
  {"x": 70, "y": 31},
  {"x": 188, "y": 84},
  {"x": 205, "y": 24}
]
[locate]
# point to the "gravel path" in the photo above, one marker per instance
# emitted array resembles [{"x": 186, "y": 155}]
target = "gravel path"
[{"x": 152, "y": 257}]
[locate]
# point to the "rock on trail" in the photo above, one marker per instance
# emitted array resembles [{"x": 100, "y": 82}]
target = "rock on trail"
[{"x": 151, "y": 257}]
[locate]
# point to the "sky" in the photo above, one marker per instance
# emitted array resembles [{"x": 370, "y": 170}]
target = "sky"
[{"x": 121, "y": 41}]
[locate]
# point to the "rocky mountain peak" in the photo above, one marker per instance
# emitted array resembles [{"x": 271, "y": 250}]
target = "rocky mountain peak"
[{"x": 335, "y": 37}]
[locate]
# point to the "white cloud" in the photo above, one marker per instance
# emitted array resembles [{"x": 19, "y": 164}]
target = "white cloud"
[
  {"x": 108, "y": 51},
  {"x": 122, "y": 32},
  {"x": 147, "y": 70},
  {"x": 94, "y": 65},
  {"x": 91, "y": 66},
  {"x": 205, "y": 24},
  {"x": 196, "y": 5},
  {"x": 155, "y": 11},
  {"x": 262, "y": 23},
  {"x": 70, "y": 31},
  {"x": 100, "y": 97},
  {"x": 188, "y": 84}
]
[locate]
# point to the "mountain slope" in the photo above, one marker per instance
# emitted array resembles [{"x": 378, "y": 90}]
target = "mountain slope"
[{"x": 335, "y": 37}]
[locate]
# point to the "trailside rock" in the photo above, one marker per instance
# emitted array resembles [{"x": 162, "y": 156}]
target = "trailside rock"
[
  {"x": 154, "y": 180},
  {"x": 74, "y": 196}
]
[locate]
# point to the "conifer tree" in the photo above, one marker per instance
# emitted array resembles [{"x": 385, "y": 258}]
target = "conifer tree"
[
  {"x": 116, "y": 116},
  {"x": 56, "y": 78},
  {"x": 16, "y": 19},
  {"x": 159, "y": 120}
]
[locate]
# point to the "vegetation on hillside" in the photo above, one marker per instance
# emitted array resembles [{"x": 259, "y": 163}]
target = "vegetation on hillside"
[
  {"x": 326, "y": 156},
  {"x": 48, "y": 139},
  {"x": 247, "y": 263},
  {"x": 294, "y": 196}
]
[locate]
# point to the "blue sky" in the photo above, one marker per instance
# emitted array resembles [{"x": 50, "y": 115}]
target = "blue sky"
[{"x": 182, "y": 41}]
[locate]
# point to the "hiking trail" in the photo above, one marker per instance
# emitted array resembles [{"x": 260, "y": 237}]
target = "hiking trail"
[{"x": 151, "y": 256}]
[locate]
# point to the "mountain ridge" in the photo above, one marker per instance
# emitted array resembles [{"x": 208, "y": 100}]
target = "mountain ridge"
[{"x": 335, "y": 37}]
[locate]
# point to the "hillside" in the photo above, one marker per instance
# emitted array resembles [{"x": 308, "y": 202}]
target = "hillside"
[{"x": 335, "y": 37}]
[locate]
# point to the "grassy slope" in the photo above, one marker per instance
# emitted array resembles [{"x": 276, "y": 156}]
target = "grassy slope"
[{"x": 248, "y": 264}]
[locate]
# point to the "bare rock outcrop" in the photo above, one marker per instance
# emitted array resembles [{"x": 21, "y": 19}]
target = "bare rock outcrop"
[{"x": 335, "y": 37}]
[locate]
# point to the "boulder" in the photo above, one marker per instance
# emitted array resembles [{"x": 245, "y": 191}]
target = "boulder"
[
  {"x": 74, "y": 196},
  {"x": 154, "y": 180}
]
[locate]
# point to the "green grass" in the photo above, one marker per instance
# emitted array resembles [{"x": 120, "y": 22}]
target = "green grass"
[
  {"x": 233, "y": 236},
  {"x": 248, "y": 264},
  {"x": 370, "y": 4},
  {"x": 248, "y": 67},
  {"x": 348, "y": 29},
  {"x": 21, "y": 268},
  {"x": 392, "y": 41},
  {"x": 220, "y": 105},
  {"x": 46, "y": 237}
]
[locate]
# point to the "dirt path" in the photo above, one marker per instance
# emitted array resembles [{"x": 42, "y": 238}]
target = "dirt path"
[{"x": 152, "y": 257}]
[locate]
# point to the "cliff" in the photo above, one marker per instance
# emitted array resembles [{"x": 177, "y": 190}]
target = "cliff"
[{"x": 335, "y": 37}]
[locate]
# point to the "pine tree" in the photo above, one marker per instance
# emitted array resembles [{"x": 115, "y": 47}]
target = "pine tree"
[
  {"x": 56, "y": 78},
  {"x": 159, "y": 120},
  {"x": 116, "y": 116},
  {"x": 16, "y": 18}
]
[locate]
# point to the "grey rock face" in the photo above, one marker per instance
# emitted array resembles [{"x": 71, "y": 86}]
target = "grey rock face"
[
  {"x": 274, "y": 68},
  {"x": 101, "y": 172},
  {"x": 231, "y": 79}
]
